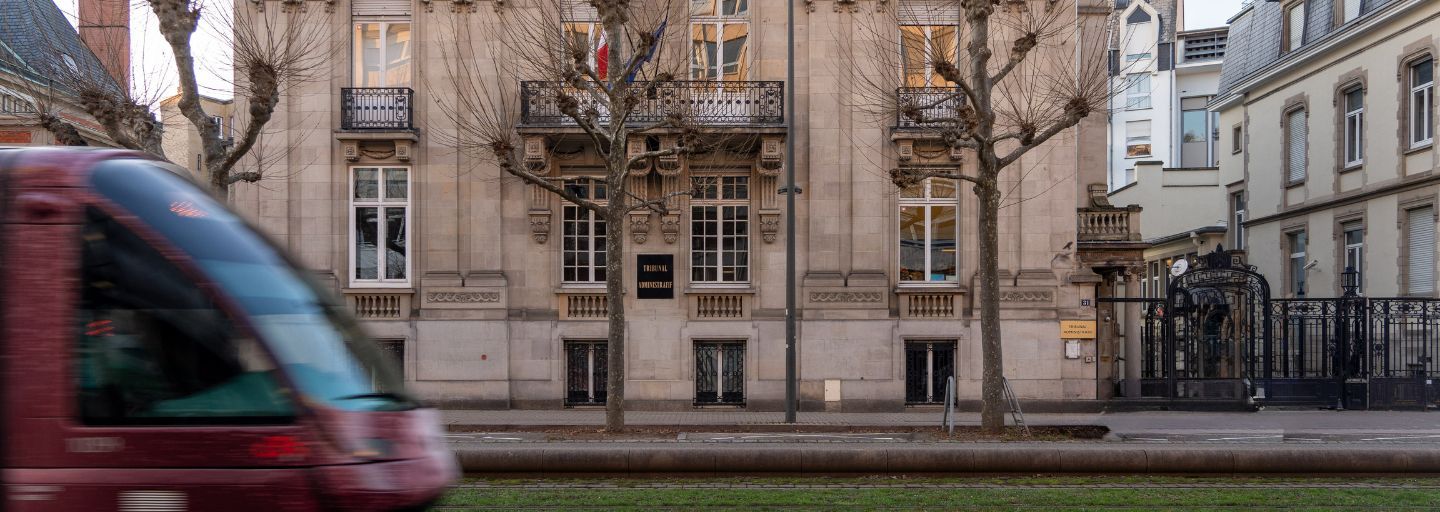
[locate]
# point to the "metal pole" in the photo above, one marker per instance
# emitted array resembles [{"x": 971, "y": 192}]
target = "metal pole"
[{"x": 790, "y": 338}]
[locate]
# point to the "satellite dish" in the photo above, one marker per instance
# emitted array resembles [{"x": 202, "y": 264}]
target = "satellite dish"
[{"x": 1179, "y": 267}]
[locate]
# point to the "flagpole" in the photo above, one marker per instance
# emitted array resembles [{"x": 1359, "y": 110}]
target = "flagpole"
[{"x": 790, "y": 191}]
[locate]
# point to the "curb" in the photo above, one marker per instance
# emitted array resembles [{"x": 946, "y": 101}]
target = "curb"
[{"x": 560, "y": 458}]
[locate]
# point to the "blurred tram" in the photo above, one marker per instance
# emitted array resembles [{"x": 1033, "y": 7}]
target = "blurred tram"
[{"x": 157, "y": 353}]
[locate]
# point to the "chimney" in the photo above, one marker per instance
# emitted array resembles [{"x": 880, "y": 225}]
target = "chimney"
[{"x": 105, "y": 28}]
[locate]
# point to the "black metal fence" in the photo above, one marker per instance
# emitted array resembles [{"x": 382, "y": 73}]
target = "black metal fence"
[
  {"x": 377, "y": 108},
  {"x": 710, "y": 103},
  {"x": 934, "y": 105}
]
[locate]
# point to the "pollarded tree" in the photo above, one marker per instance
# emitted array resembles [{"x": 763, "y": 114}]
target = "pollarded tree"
[{"x": 1008, "y": 77}]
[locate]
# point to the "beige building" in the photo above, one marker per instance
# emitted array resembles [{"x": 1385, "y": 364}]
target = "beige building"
[
  {"x": 1327, "y": 107},
  {"x": 492, "y": 294},
  {"x": 1184, "y": 216},
  {"x": 181, "y": 141}
]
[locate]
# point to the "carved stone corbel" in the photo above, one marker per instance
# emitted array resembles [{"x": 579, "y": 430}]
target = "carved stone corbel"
[
  {"x": 540, "y": 225},
  {"x": 351, "y": 150},
  {"x": 669, "y": 165},
  {"x": 402, "y": 150},
  {"x": 957, "y": 153},
  {"x": 905, "y": 149},
  {"x": 639, "y": 227},
  {"x": 537, "y": 156},
  {"x": 633, "y": 147},
  {"x": 769, "y": 225},
  {"x": 772, "y": 155},
  {"x": 670, "y": 227}
]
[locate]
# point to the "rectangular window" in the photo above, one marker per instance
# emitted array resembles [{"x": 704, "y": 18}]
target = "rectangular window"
[
  {"x": 1422, "y": 103},
  {"x": 1420, "y": 239},
  {"x": 1237, "y": 135},
  {"x": 719, "y": 373},
  {"x": 929, "y": 365},
  {"x": 382, "y": 54},
  {"x": 1194, "y": 132},
  {"x": 921, "y": 47},
  {"x": 1137, "y": 91},
  {"x": 1136, "y": 57},
  {"x": 380, "y": 221},
  {"x": 929, "y": 231},
  {"x": 1129, "y": 176},
  {"x": 1352, "y": 10},
  {"x": 585, "y": 372},
  {"x": 1294, "y": 26},
  {"x": 720, "y": 229},
  {"x": 1296, "y": 127},
  {"x": 588, "y": 36},
  {"x": 1237, "y": 221},
  {"x": 1296, "y": 245},
  {"x": 720, "y": 33},
  {"x": 1354, "y": 127},
  {"x": 1137, "y": 139},
  {"x": 583, "y": 236},
  {"x": 1354, "y": 238}
]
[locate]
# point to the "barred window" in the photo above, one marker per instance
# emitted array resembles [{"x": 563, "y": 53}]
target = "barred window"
[{"x": 720, "y": 229}]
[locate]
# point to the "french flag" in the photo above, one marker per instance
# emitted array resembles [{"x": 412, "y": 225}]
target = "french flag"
[{"x": 602, "y": 55}]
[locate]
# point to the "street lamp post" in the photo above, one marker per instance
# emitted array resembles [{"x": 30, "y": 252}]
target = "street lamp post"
[{"x": 790, "y": 191}]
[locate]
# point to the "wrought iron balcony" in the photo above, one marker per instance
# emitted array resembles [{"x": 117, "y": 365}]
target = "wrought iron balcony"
[
  {"x": 377, "y": 108},
  {"x": 935, "y": 103},
  {"x": 707, "y": 103}
]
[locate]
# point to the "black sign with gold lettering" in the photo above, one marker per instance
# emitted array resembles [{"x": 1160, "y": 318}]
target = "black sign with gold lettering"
[{"x": 655, "y": 276}]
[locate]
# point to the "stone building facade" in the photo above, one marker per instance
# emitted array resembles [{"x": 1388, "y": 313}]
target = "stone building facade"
[
  {"x": 1329, "y": 113},
  {"x": 490, "y": 295}
]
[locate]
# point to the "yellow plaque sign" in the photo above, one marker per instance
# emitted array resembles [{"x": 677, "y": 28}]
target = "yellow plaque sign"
[{"x": 1077, "y": 329}]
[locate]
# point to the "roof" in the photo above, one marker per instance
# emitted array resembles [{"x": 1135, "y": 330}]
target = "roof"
[
  {"x": 37, "y": 39},
  {"x": 1204, "y": 230},
  {"x": 1256, "y": 33},
  {"x": 1164, "y": 9}
]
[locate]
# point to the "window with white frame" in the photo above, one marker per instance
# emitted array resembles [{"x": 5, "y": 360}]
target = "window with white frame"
[
  {"x": 1294, "y": 26},
  {"x": 720, "y": 229},
  {"x": 921, "y": 47},
  {"x": 1422, "y": 103},
  {"x": 1237, "y": 220},
  {"x": 929, "y": 232},
  {"x": 382, "y": 54},
  {"x": 380, "y": 226},
  {"x": 583, "y": 235},
  {"x": 1354, "y": 127},
  {"x": 1296, "y": 144},
  {"x": 1137, "y": 139},
  {"x": 720, "y": 35},
  {"x": 1137, "y": 91},
  {"x": 1295, "y": 243},
  {"x": 1353, "y": 234},
  {"x": 1420, "y": 251},
  {"x": 1351, "y": 10}
]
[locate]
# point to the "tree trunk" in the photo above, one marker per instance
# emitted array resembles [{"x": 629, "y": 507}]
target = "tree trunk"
[
  {"x": 992, "y": 412},
  {"x": 615, "y": 302}
]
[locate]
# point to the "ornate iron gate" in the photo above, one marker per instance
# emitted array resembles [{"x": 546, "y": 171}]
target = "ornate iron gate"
[
  {"x": 1216, "y": 319},
  {"x": 585, "y": 372},
  {"x": 719, "y": 373},
  {"x": 928, "y": 365}
]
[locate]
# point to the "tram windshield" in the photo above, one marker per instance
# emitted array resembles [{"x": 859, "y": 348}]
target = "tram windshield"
[{"x": 324, "y": 354}]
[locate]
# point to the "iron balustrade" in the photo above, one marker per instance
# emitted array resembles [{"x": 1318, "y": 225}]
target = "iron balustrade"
[
  {"x": 1405, "y": 337},
  {"x": 377, "y": 108},
  {"x": 707, "y": 103},
  {"x": 936, "y": 106}
]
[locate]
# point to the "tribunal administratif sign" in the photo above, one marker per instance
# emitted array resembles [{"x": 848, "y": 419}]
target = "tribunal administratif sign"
[{"x": 655, "y": 276}]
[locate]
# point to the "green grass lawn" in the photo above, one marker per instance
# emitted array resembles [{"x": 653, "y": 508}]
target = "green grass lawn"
[{"x": 1047, "y": 493}]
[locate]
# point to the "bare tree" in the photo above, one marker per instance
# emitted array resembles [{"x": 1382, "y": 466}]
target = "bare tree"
[
  {"x": 1010, "y": 76},
  {"x": 272, "y": 50},
  {"x": 611, "y": 96}
]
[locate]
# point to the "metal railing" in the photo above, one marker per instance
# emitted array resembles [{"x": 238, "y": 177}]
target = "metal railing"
[
  {"x": 377, "y": 108},
  {"x": 934, "y": 106},
  {"x": 709, "y": 103}
]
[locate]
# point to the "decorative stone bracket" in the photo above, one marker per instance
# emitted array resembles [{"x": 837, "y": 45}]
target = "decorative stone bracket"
[
  {"x": 376, "y": 146},
  {"x": 670, "y": 227},
  {"x": 769, "y": 225},
  {"x": 537, "y": 156},
  {"x": 847, "y": 5},
  {"x": 634, "y": 147},
  {"x": 294, "y": 5},
  {"x": 772, "y": 155},
  {"x": 540, "y": 225},
  {"x": 463, "y": 5},
  {"x": 640, "y": 227}
]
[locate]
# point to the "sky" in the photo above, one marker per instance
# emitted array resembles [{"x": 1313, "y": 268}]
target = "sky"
[{"x": 1209, "y": 13}]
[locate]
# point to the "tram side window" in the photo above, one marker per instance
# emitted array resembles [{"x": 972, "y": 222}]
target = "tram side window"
[{"x": 154, "y": 348}]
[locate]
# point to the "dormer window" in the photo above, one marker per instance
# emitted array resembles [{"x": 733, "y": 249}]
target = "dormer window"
[
  {"x": 1294, "y": 26},
  {"x": 1138, "y": 17}
]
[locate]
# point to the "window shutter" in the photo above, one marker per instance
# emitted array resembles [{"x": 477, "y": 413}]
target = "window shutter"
[
  {"x": 1422, "y": 251},
  {"x": 929, "y": 12},
  {"x": 1298, "y": 137},
  {"x": 1295, "y": 23},
  {"x": 380, "y": 7}
]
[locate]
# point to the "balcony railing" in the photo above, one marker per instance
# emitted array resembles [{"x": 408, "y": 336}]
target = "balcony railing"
[
  {"x": 377, "y": 108},
  {"x": 1109, "y": 224},
  {"x": 935, "y": 104},
  {"x": 700, "y": 102}
]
